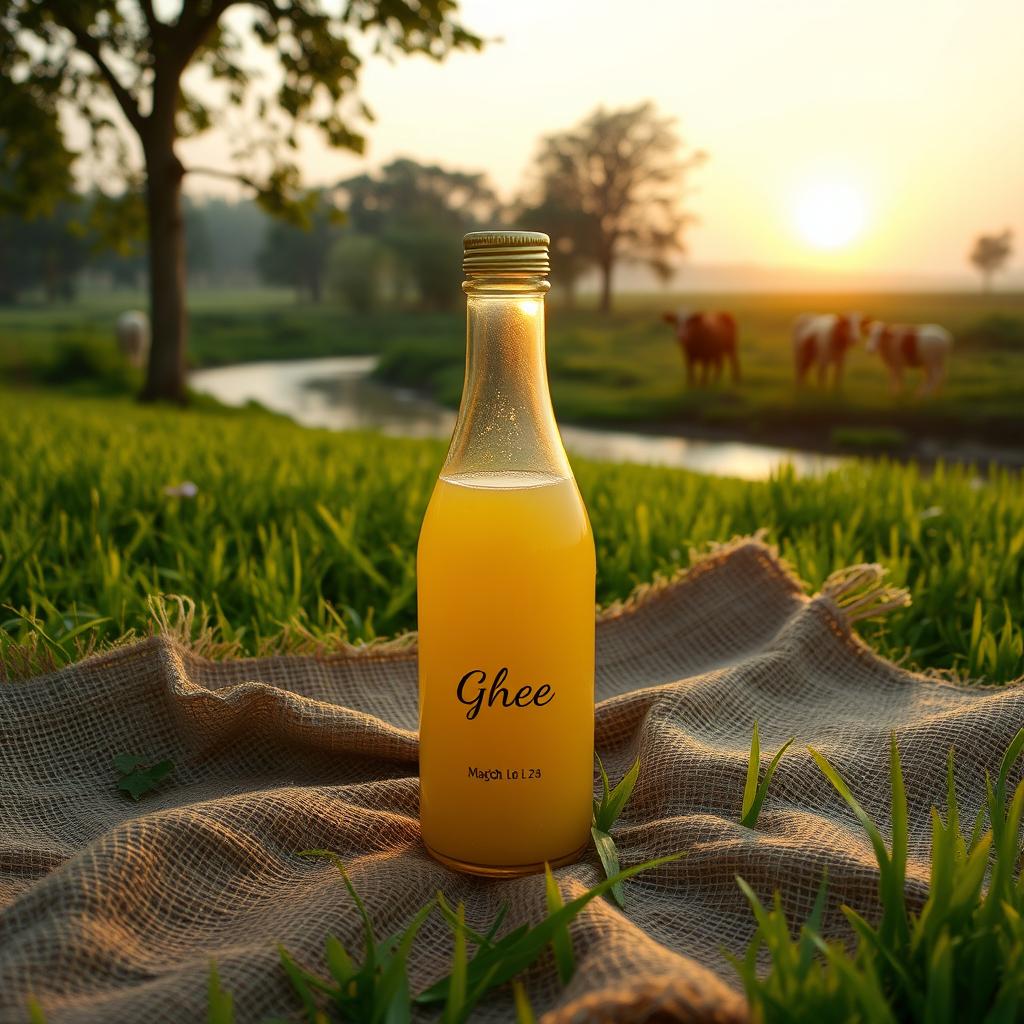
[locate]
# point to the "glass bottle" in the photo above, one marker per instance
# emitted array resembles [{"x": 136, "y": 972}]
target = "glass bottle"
[{"x": 505, "y": 573}]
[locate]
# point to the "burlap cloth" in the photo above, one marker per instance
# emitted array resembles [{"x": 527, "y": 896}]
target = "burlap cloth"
[{"x": 112, "y": 910}]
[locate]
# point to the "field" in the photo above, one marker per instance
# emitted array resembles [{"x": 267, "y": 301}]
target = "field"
[
  {"x": 621, "y": 370},
  {"x": 296, "y": 538}
]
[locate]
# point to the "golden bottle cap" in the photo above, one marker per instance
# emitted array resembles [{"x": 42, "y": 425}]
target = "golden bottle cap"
[{"x": 497, "y": 253}]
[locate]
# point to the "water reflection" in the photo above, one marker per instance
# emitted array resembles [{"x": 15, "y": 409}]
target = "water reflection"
[{"x": 337, "y": 393}]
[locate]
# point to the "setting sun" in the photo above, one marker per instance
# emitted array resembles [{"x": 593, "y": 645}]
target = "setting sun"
[{"x": 829, "y": 215}]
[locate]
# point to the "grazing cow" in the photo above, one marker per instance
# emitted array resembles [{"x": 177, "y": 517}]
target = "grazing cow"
[
  {"x": 924, "y": 346},
  {"x": 133, "y": 337},
  {"x": 823, "y": 340},
  {"x": 706, "y": 340}
]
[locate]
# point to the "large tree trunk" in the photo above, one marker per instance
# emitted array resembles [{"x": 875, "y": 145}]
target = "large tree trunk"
[
  {"x": 165, "y": 374},
  {"x": 607, "y": 266}
]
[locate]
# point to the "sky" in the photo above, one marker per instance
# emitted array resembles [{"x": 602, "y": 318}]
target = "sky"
[{"x": 877, "y": 135}]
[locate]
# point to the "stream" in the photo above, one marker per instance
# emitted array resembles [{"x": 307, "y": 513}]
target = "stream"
[{"x": 338, "y": 393}]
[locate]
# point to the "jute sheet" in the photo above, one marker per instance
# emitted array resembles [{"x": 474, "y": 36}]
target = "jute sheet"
[{"x": 111, "y": 911}]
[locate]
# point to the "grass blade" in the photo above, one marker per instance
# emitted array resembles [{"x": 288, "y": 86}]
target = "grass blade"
[
  {"x": 843, "y": 790},
  {"x": 220, "y": 1008},
  {"x": 297, "y": 976},
  {"x": 608, "y": 853},
  {"x": 752, "y": 812},
  {"x": 503, "y": 961},
  {"x": 619, "y": 796},
  {"x": 455, "y": 1009},
  {"x": 524, "y": 1011},
  {"x": 369, "y": 937},
  {"x": 753, "y": 766},
  {"x": 339, "y": 963},
  {"x": 895, "y": 902},
  {"x": 561, "y": 941},
  {"x": 391, "y": 995}
]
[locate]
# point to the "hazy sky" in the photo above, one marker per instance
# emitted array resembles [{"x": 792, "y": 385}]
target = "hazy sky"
[{"x": 908, "y": 114}]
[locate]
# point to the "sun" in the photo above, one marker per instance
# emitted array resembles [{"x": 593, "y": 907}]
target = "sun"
[{"x": 829, "y": 215}]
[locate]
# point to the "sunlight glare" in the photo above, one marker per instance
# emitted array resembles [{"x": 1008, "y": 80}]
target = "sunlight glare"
[{"x": 829, "y": 215}]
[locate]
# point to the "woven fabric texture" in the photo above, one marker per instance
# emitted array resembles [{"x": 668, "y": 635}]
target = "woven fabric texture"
[{"x": 111, "y": 910}]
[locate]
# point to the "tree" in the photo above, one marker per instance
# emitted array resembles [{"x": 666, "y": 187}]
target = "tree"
[
  {"x": 990, "y": 254},
  {"x": 43, "y": 253},
  {"x": 198, "y": 248},
  {"x": 420, "y": 212},
  {"x": 236, "y": 232},
  {"x": 625, "y": 170},
  {"x": 356, "y": 269},
  {"x": 296, "y": 254},
  {"x": 574, "y": 233},
  {"x": 96, "y": 55}
]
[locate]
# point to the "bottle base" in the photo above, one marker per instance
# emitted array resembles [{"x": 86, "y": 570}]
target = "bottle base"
[{"x": 503, "y": 870}]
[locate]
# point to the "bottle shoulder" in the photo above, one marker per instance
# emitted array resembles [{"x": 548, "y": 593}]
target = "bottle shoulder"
[{"x": 510, "y": 509}]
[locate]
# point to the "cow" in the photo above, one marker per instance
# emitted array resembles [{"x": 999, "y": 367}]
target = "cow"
[
  {"x": 822, "y": 340},
  {"x": 133, "y": 337},
  {"x": 706, "y": 341},
  {"x": 920, "y": 346}
]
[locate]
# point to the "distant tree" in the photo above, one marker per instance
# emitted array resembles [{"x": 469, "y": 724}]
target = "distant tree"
[
  {"x": 198, "y": 248},
  {"x": 296, "y": 254},
  {"x": 420, "y": 212},
  {"x": 574, "y": 233},
  {"x": 16, "y": 274},
  {"x": 236, "y": 232},
  {"x": 84, "y": 55},
  {"x": 356, "y": 269},
  {"x": 626, "y": 171},
  {"x": 43, "y": 253},
  {"x": 990, "y": 254},
  {"x": 35, "y": 188}
]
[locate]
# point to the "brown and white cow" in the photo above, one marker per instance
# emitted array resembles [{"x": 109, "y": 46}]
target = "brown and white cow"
[
  {"x": 918, "y": 346},
  {"x": 822, "y": 340},
  {"x": 707, "y": 340}
]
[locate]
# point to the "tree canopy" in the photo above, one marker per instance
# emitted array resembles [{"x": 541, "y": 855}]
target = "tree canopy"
[
  {"x": 420, "y": 212},
  {"x": 990, "y": 254},
  {"x": 618, "y": 181},
  {"x": 135, "y": 68}
]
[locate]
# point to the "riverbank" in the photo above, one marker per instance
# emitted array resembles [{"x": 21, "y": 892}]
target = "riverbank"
[
  {"x": 624, "y": 372},
  {"x": 340, "y": 393}
]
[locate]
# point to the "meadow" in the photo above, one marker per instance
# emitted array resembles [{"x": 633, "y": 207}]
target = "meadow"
[
  {"x": 621, "y": 370},
  {"x": 296, "y": 538}
]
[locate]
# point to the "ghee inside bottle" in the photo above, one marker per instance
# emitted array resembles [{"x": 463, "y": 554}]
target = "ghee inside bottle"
[{"x": 505, "y": 574}]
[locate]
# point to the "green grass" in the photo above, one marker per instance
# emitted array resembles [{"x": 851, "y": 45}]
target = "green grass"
[
  {"x": 297, "y": 537},
  {"x": 617, "y": 370},
  {"x": 959, "y": 957}
]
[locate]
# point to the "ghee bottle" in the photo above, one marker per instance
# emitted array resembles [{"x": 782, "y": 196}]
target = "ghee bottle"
[{"x": 505, "y": 579}]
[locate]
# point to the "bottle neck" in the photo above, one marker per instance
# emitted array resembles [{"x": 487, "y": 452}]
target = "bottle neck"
[{"x": 506, "y": 422}]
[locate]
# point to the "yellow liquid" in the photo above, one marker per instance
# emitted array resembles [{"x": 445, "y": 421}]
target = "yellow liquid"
[{"x": 506, "y": 609}]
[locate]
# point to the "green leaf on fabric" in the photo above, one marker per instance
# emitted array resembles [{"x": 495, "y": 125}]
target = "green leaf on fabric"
[
  {"x": 139, "y": 775},
  {"x": 753, "y": 793},
  {"x": 609, "y": 855},
  {"x": 606, "y": 813}
]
